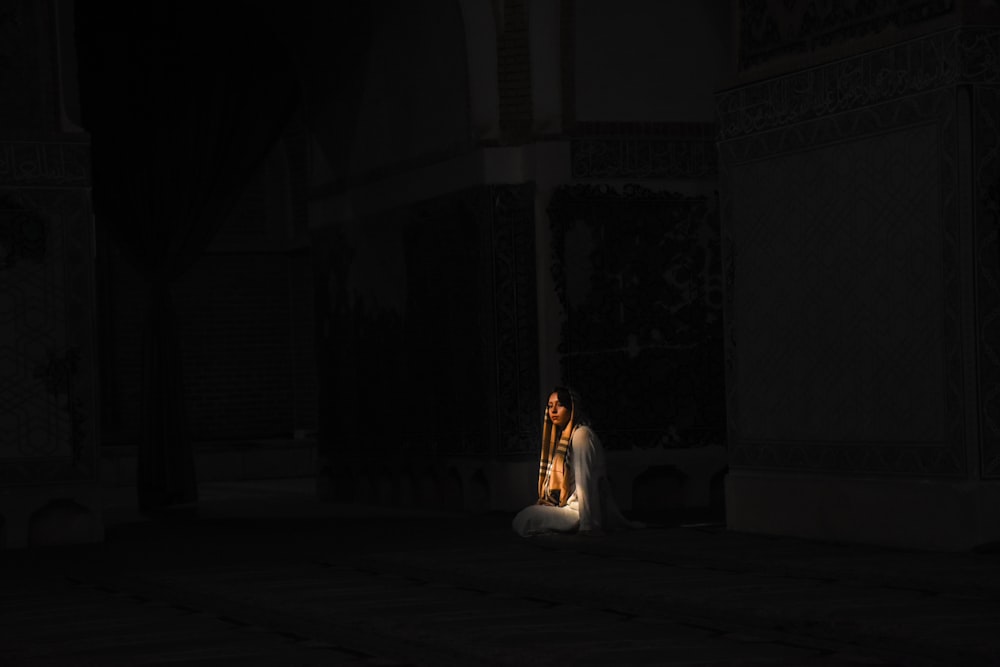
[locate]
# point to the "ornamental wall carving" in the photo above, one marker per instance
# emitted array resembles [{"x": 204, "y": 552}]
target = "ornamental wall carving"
[{"x": 857, "y": 162}]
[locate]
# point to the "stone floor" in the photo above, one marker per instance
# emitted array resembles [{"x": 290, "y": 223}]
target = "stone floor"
[{"x": 264, "y": 575}]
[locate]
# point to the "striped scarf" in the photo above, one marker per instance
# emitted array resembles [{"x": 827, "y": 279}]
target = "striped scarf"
[{"x": 555, "y": 473}]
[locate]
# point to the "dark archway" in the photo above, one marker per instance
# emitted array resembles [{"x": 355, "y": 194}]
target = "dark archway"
[{"x": 180, "y": 119}]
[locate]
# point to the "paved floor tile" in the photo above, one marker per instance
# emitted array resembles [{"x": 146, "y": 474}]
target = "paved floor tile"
[{"x": 328, "y": 585}]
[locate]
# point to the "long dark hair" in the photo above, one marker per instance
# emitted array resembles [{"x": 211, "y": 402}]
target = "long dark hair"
[{"x": 571, "y": 399}]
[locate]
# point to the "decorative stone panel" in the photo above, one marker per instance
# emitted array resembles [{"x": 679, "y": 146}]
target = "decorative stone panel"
[
  {"x": 47, "y": 368},
  {"x": 637, "y": 151},
  {"x": 639, "y": 276},
  {"x": 943, "y": 59},
  {"x": 840, "y": 208},
  {"x": 986, "y": 184},
  {"x": 770, "y": 30}
]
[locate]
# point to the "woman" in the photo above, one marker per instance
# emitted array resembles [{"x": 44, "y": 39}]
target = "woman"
[{"x": 573, "y": 489}]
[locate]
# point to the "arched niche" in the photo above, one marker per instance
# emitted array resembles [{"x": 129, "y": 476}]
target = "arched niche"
[{"x": 63, "y": 521}]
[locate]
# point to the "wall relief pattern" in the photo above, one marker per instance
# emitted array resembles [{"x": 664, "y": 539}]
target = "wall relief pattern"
[
  {"x": 986, "y": 124},
  {"x": 515, "y": 316},
  {"x": 643, "y": 150},
  {"x": 47, "y": 372},
  {"x": 769, "y": 117},
  {"x": 948, "y": 58},
  {"x": 770, "y": 29},
  {"x": 22, "y": 237},
  {"x": 45, "y": 164},
  {"x": 897, "y": 131},
  {"x": 639, "y": 276}
]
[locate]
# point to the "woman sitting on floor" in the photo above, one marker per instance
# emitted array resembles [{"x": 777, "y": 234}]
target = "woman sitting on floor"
[{"x": 573, "y": 489}]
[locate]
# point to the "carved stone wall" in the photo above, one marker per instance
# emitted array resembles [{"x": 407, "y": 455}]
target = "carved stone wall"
[
  {"x": 638, "y": 151},
  {"x": 948, "y": 58},
  {"x": 47, "y": 373},
  {"x": 515, "y": 316},
  {"x": 841, "y": 224},
  {"x": 44, "y": 164},
  {"x": 986, "y": 184},
  {"x": 769, "y": 30},
  {"x": 639, "y": 277},
  {"x": 49, "y": 440}
]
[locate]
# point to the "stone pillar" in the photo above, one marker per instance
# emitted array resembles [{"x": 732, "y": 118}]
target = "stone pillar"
[
  {"x": 859, "y": 215},
  {"x": 49, "y": 446}
]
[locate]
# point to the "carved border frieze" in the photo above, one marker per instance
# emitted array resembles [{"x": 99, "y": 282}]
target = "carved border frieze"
[
  {"x": 947, "y": 58},
  {"x": 771, "y": 30},
  {"x": 639, "y": 151},
  {"x": 44, "y": 164}
]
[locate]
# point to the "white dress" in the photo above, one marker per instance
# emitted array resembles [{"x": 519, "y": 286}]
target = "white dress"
[{"x": 591, "y": 505}]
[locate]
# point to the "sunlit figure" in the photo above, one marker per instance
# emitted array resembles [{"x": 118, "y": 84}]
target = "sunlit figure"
[{"x": 573, "y": 489}]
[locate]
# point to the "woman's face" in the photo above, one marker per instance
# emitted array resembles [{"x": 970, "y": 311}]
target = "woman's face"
[{"x": 558, "y": 413}]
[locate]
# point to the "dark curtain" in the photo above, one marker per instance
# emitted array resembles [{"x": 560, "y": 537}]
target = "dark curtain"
[{"x": 183, "y": 101}]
